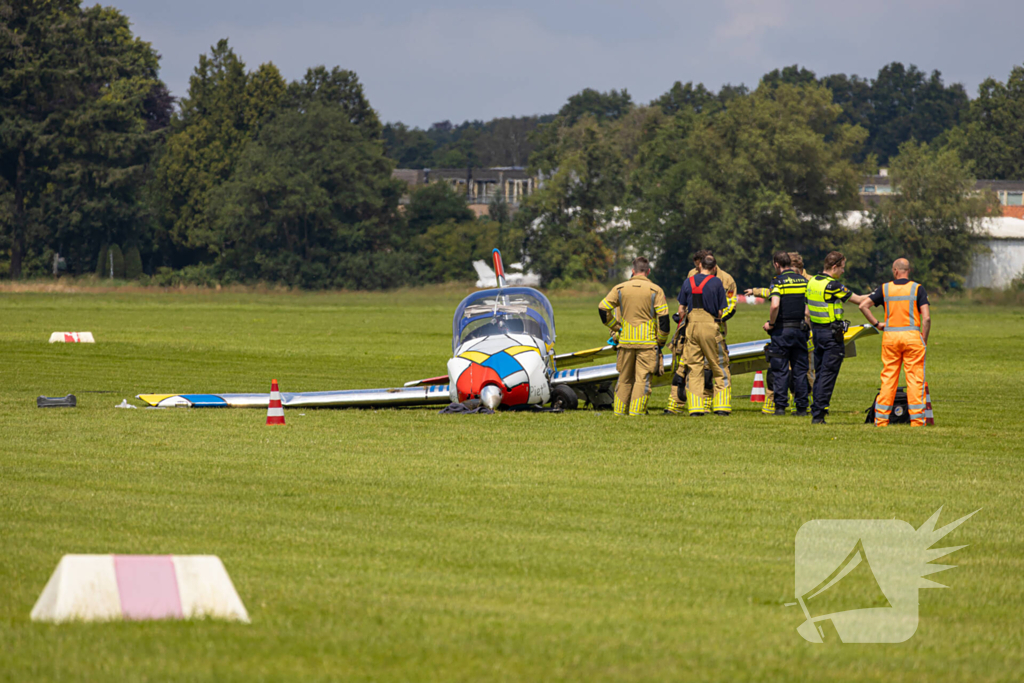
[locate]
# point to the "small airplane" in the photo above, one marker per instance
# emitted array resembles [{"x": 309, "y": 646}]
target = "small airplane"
[{"x": 503, "y": 354}]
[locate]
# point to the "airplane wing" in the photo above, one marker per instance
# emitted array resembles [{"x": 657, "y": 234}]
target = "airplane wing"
[
  {"x": 591, "y": 382},
  {"x": 570, "y": 360},
  {"x": 595, "y": 383},
  {"x": 434, "y": 394}
]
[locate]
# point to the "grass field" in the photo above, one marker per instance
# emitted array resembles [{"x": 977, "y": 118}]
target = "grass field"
[{"x": 404, "y": 545}]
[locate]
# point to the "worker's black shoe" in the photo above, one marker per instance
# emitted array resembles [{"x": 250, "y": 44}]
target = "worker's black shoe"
[
  {"x": 672, "y": 412},
  {"x": 818, "y": 421},
  {"x": 696, "y": 414},
  {"x": 780, "y": 412},
  {"x": 722, "y": 412},
  {"x": 801, "y": 413}
]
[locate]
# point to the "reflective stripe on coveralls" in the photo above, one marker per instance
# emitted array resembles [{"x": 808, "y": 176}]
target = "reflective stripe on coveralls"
[
  {"x": 902, "y": 345},
  {"x": 703, "y": 335}
]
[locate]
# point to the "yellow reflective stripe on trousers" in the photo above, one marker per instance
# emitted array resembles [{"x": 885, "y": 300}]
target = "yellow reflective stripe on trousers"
[
  {"x": 723, "y": 400},
  {"x": 619, "y": 406},
  {"x": 638, "y": 407}
]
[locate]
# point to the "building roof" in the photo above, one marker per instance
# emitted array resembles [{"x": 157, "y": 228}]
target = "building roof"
[
  {"x": 996, "y": 227},
  {"x": 997, "y": 185}
]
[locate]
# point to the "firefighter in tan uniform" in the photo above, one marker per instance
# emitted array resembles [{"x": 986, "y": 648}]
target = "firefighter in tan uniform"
[
  {"x": 677, "y": 399},
  {"x": 730, "y": 310},
  {"x": 642, "y": 327},
  {"x": 702, "y": 300}
]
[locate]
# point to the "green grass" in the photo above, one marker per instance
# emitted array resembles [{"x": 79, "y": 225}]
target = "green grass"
[{"x": 400, "y": 544}]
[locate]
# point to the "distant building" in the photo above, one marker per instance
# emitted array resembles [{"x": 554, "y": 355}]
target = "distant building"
[
  {"x": 478, "y": 185},
  {"x": 1009, "y": 192}
]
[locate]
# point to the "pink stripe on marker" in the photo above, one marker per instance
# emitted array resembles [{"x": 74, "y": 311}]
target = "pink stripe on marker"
[{"x": 148, "y": 587}]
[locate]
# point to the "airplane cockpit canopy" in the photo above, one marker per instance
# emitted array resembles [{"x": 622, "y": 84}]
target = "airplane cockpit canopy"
[{"x": 510, "y": 310}]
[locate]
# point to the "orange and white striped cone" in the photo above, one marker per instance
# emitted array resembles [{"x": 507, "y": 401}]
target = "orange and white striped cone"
[
  {"x": 929, "y": 418},
  {"x": 757, "y": 393},
  {"x": 275, "y": 411}
]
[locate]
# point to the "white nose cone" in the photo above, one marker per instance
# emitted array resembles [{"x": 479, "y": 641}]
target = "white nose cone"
[{"x": 491, "y": 396}]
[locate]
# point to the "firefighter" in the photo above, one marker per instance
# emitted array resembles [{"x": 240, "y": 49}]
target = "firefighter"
[
  {"x": 788, "y": 326},
  {"x": 825, "y": 298},
  {"x": 904, "y": 341},
  {"x": 730, "y": 310},
  {"x": 702, "y": 301},
  {"x": 642, "y": 329}
]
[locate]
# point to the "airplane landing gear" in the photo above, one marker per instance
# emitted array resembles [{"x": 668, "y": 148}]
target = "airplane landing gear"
[{"x": 564, "y": 397}]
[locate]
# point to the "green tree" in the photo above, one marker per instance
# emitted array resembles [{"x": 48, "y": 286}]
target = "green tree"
[
  {"x": 689, "y": 97},
  {"x": 80, "y": 104},
  {"x": 335, "y": 88},
  {"x": 932, "y": 217},
  {"x": 448, "y": 249},
  {"x": 433, "y": 204},
  {"x": 769, "y": 172},
  {"x": 563, "y": 220},
  {"x": 408, "y": 147},
  {"x": 102, "y": 262},
  {"x": 992, "y": 134},
  {"x": 223, "y": 110},
  {"x": 793, "y": 75},
  {"x": 907, "y": 105},
  {"x": 311, "y": 203},
  {"x": 132, "y": 263},
  {"x": 602, "y": 106}
]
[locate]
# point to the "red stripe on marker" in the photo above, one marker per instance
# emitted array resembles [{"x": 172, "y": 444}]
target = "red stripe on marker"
[{"x": 148, "y": 587}]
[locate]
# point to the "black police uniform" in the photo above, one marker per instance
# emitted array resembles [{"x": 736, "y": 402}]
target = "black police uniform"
[
  {"x": 825, "y": 299},
  {"x": 787, "y": 350}
]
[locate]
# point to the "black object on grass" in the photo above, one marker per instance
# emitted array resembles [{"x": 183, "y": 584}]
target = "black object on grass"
[{"x": 68, "y": 401}]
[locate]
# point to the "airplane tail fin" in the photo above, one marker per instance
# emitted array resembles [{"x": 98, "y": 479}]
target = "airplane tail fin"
[
  {"x": 484, "y": 273},
  {"x": 499, "y": 269}
]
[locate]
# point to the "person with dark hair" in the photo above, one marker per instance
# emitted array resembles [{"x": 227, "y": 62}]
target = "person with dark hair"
[
  {"x": 730, "y": 310},
  {"x": 825, "y": 299},
  {"x": 787, "y": 325},
  {"x": 905, "y": 331},
  {"x": 702, "y": 301},
  {"x": 641, "y": 329}
]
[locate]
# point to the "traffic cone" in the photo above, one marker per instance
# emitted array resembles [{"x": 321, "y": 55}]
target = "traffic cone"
[
  {"x": 929, "y": 419},
  {"x": 275, "y": 412},
  {"x": 757, "y": 393}
]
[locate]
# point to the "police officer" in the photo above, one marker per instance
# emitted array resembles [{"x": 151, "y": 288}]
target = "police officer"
[
  {"x": 788, "y": 327},
  {"x": 702, "y": 300},
  {"x": 768, "y": 407},
  {"x": 642, "y": 328},
  {"x": 730, "y": 310},
  {"x": 825, "y": 299},
  {"x": 797, "y": 261}
]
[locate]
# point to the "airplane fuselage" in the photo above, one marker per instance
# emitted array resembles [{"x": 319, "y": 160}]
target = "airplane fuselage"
[{"x": 517, "y": 364}]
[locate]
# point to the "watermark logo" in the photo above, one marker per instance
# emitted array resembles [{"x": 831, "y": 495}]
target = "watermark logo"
[{"x": 857, "y": 580}]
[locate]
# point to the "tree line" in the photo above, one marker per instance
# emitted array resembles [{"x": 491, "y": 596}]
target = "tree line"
[{"x": 249, "y": 177}]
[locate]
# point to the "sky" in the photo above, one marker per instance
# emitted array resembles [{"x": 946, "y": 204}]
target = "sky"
[{"x": 425, "y": 62}]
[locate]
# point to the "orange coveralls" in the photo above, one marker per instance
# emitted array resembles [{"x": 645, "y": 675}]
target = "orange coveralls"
[{"x": 902, "y": 344}]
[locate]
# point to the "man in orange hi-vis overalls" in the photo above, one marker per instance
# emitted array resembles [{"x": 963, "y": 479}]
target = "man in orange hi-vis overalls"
[{"x": 904, "y": 341}]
